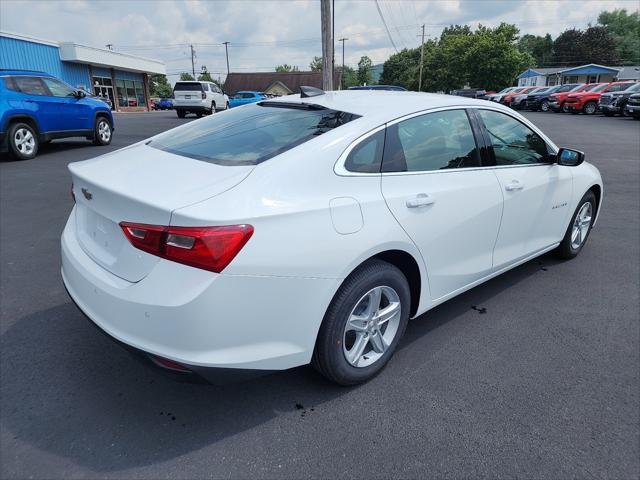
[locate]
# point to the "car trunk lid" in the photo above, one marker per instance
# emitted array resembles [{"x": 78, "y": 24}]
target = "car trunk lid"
[{"x": 143, "y": 185}]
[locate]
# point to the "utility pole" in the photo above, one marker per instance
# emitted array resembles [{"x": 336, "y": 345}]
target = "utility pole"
[
  {"x": 193, "y": 61},
  {"x": 421, "y": 60},
  {"x": 342, "y": 76},
  {"x": 327, "y": 45},
  {"x": 226, "y": 50}
]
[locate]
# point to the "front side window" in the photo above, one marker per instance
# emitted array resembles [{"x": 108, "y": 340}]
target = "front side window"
[
  {"x": 618, "y": 88},
  {"x": 58, "y": 89},
  {"x": 30, "y": 85},
  {"x": 513, "y": 142},
  {"x": 434, "y": 141},
  {"x": 250, "y": 135},
  {"x": 366, "y": 156}
]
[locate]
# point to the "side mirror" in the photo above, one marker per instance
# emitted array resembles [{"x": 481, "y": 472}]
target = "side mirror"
[
  {"x": 80, "y": 94},
  {"x": 569, "y": 158}
]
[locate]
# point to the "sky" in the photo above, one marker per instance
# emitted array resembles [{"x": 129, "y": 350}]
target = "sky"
[{"x": 264, "y": 33}]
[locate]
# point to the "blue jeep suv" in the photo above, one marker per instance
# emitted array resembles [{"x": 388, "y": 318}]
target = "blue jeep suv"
[{"x": 36, "y": 107}]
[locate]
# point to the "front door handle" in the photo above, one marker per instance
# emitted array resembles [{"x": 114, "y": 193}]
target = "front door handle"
[
  {"x": 514, "y": 186},
  {"x": 420, "y": 200}
]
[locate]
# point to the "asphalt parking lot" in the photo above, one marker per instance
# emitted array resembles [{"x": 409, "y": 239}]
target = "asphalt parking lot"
[{"x": 534, "y": 374}]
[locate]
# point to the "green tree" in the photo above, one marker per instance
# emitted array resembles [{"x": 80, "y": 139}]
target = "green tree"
[
  {"x": 349, "y": 76},
  {"x": 184, "y": 76},
  {"x": 625, "y": 29},
  {"x": 204, "y": 75},
  {"x": 540, "y": 48},
  {"x": 286, "y": 68},
  {"x": 594, "y": 45},
  {"x": 364, "y": 70},
  {"x": 316, "y": 64},
  {"x": 567, "y": 48},
  {"x": 402, "y": 69},
  {"x": 159, "y": 86},
  {"x": 492, "y": 60},
  {"x": 599, "y": 46}
]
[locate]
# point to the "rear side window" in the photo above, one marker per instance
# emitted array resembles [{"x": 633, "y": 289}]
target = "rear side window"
[
  {"x": 182, "y": 86},
  {"x": 434, "y": 141},
  {"x": 30, "y": 85},
  {"x": 250, "y": 135},
  {"x": 366, "y": 157}
]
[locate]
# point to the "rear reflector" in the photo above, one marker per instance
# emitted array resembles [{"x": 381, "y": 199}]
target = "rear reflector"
[
  {"x": 209, "y": 248},
  {"x": 169, "y": 364}
]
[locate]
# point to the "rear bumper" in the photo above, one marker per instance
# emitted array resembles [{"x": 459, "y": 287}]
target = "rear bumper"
[
  {"x": 555, "y": 106},
  {"x": 201, "y": 319}
]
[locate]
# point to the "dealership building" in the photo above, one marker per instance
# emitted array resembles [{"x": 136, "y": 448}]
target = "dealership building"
[{"x": 123, "y": 78}]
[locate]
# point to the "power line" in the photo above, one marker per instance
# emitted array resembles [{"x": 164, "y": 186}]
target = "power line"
[{"x": 386, "y": 26}]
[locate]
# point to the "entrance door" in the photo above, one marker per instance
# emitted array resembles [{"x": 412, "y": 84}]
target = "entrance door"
[{"x": 537, "y": 193}]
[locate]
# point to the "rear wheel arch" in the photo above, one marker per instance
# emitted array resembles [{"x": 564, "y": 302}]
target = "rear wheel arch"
[
  {"x": 409, "y": 267},
  {"x": 28, "y": 119}
]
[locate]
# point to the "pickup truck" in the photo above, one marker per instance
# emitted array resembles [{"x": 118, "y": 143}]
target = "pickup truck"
[
  {"x": 540, "y": 101},
  {"x": 614, "y": 103},
  {"x": 633, "y": 106},
  {"x": 587, "y": 102},
  {"x": 556, "y": 101}
]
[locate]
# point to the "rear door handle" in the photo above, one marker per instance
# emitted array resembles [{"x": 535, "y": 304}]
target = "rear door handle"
[
  {"x": 513, "y": 186},
  {"x": 420, "y": 200}
]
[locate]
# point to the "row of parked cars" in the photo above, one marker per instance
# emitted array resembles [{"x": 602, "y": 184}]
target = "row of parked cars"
[{"x": 609, "y": 98}]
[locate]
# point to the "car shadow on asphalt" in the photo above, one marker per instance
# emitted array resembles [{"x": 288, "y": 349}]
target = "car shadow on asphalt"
[{"x": 69, "y": 391}]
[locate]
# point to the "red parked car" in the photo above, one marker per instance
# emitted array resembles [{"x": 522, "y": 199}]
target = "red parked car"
[
  {"x": 506, "y": 100},
  {"x": 557, "y": 100},
  {"x": 587, "y": 101}
]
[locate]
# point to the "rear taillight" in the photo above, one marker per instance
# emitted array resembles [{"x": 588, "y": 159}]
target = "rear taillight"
[
  {"x": 209, "y": 248},
  {"x": 204, "y": 96}
]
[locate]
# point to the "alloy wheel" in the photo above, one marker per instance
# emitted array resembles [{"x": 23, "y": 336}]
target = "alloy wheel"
[
  {"x": 581, "y": 225},
  {"x": 590, "y": 108},
  {"x": 24, "y": 141},
  {"x": 372, "y": 326},
  {"x": 104, "y": 131}
]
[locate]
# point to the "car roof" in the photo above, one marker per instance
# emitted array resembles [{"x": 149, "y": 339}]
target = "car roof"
[
  {"x": 15, "y": 72},
  {"x": 379, "y": 105},
  {"x": 248, "y": 91}
]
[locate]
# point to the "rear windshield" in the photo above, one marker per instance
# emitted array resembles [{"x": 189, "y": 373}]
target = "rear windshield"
[
  {"x": 187, "y": 86},
  {"x": 251, "y": 134}
]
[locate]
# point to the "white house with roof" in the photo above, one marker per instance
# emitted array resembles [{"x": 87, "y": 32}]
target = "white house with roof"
[{"x": 590, "y": 73}]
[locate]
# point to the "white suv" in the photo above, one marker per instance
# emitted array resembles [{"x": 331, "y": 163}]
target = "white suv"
[{"x": 198, "y": 97}]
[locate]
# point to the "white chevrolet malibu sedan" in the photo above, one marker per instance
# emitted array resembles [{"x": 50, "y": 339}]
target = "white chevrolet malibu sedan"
[{"x": 311, "y": 228}]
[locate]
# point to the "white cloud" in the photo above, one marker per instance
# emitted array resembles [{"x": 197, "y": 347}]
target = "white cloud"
[{"x": 265, "y": 33}]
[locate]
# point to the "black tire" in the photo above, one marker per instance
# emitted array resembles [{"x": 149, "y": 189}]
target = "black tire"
[
  {"x": 590, "y": 108},
  {"x": 564, "y": 108},
  {"x": 544, "y": 106},
  {"x": 328, "y": 356},
  {"x": 199, "y": 115},
  {"x": 102, "y": 132},
  {"x": 565, "y": 250},
  {"x": 18, "y": 134},
  {"x": 180, "y": 113},
  {"x": 213, "y": 108}
]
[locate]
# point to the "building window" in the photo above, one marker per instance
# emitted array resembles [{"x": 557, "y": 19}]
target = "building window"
[{"x": 130, "y": 93}]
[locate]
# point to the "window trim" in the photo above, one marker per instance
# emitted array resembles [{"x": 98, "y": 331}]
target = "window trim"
[{"x": 339, "y": 166}]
